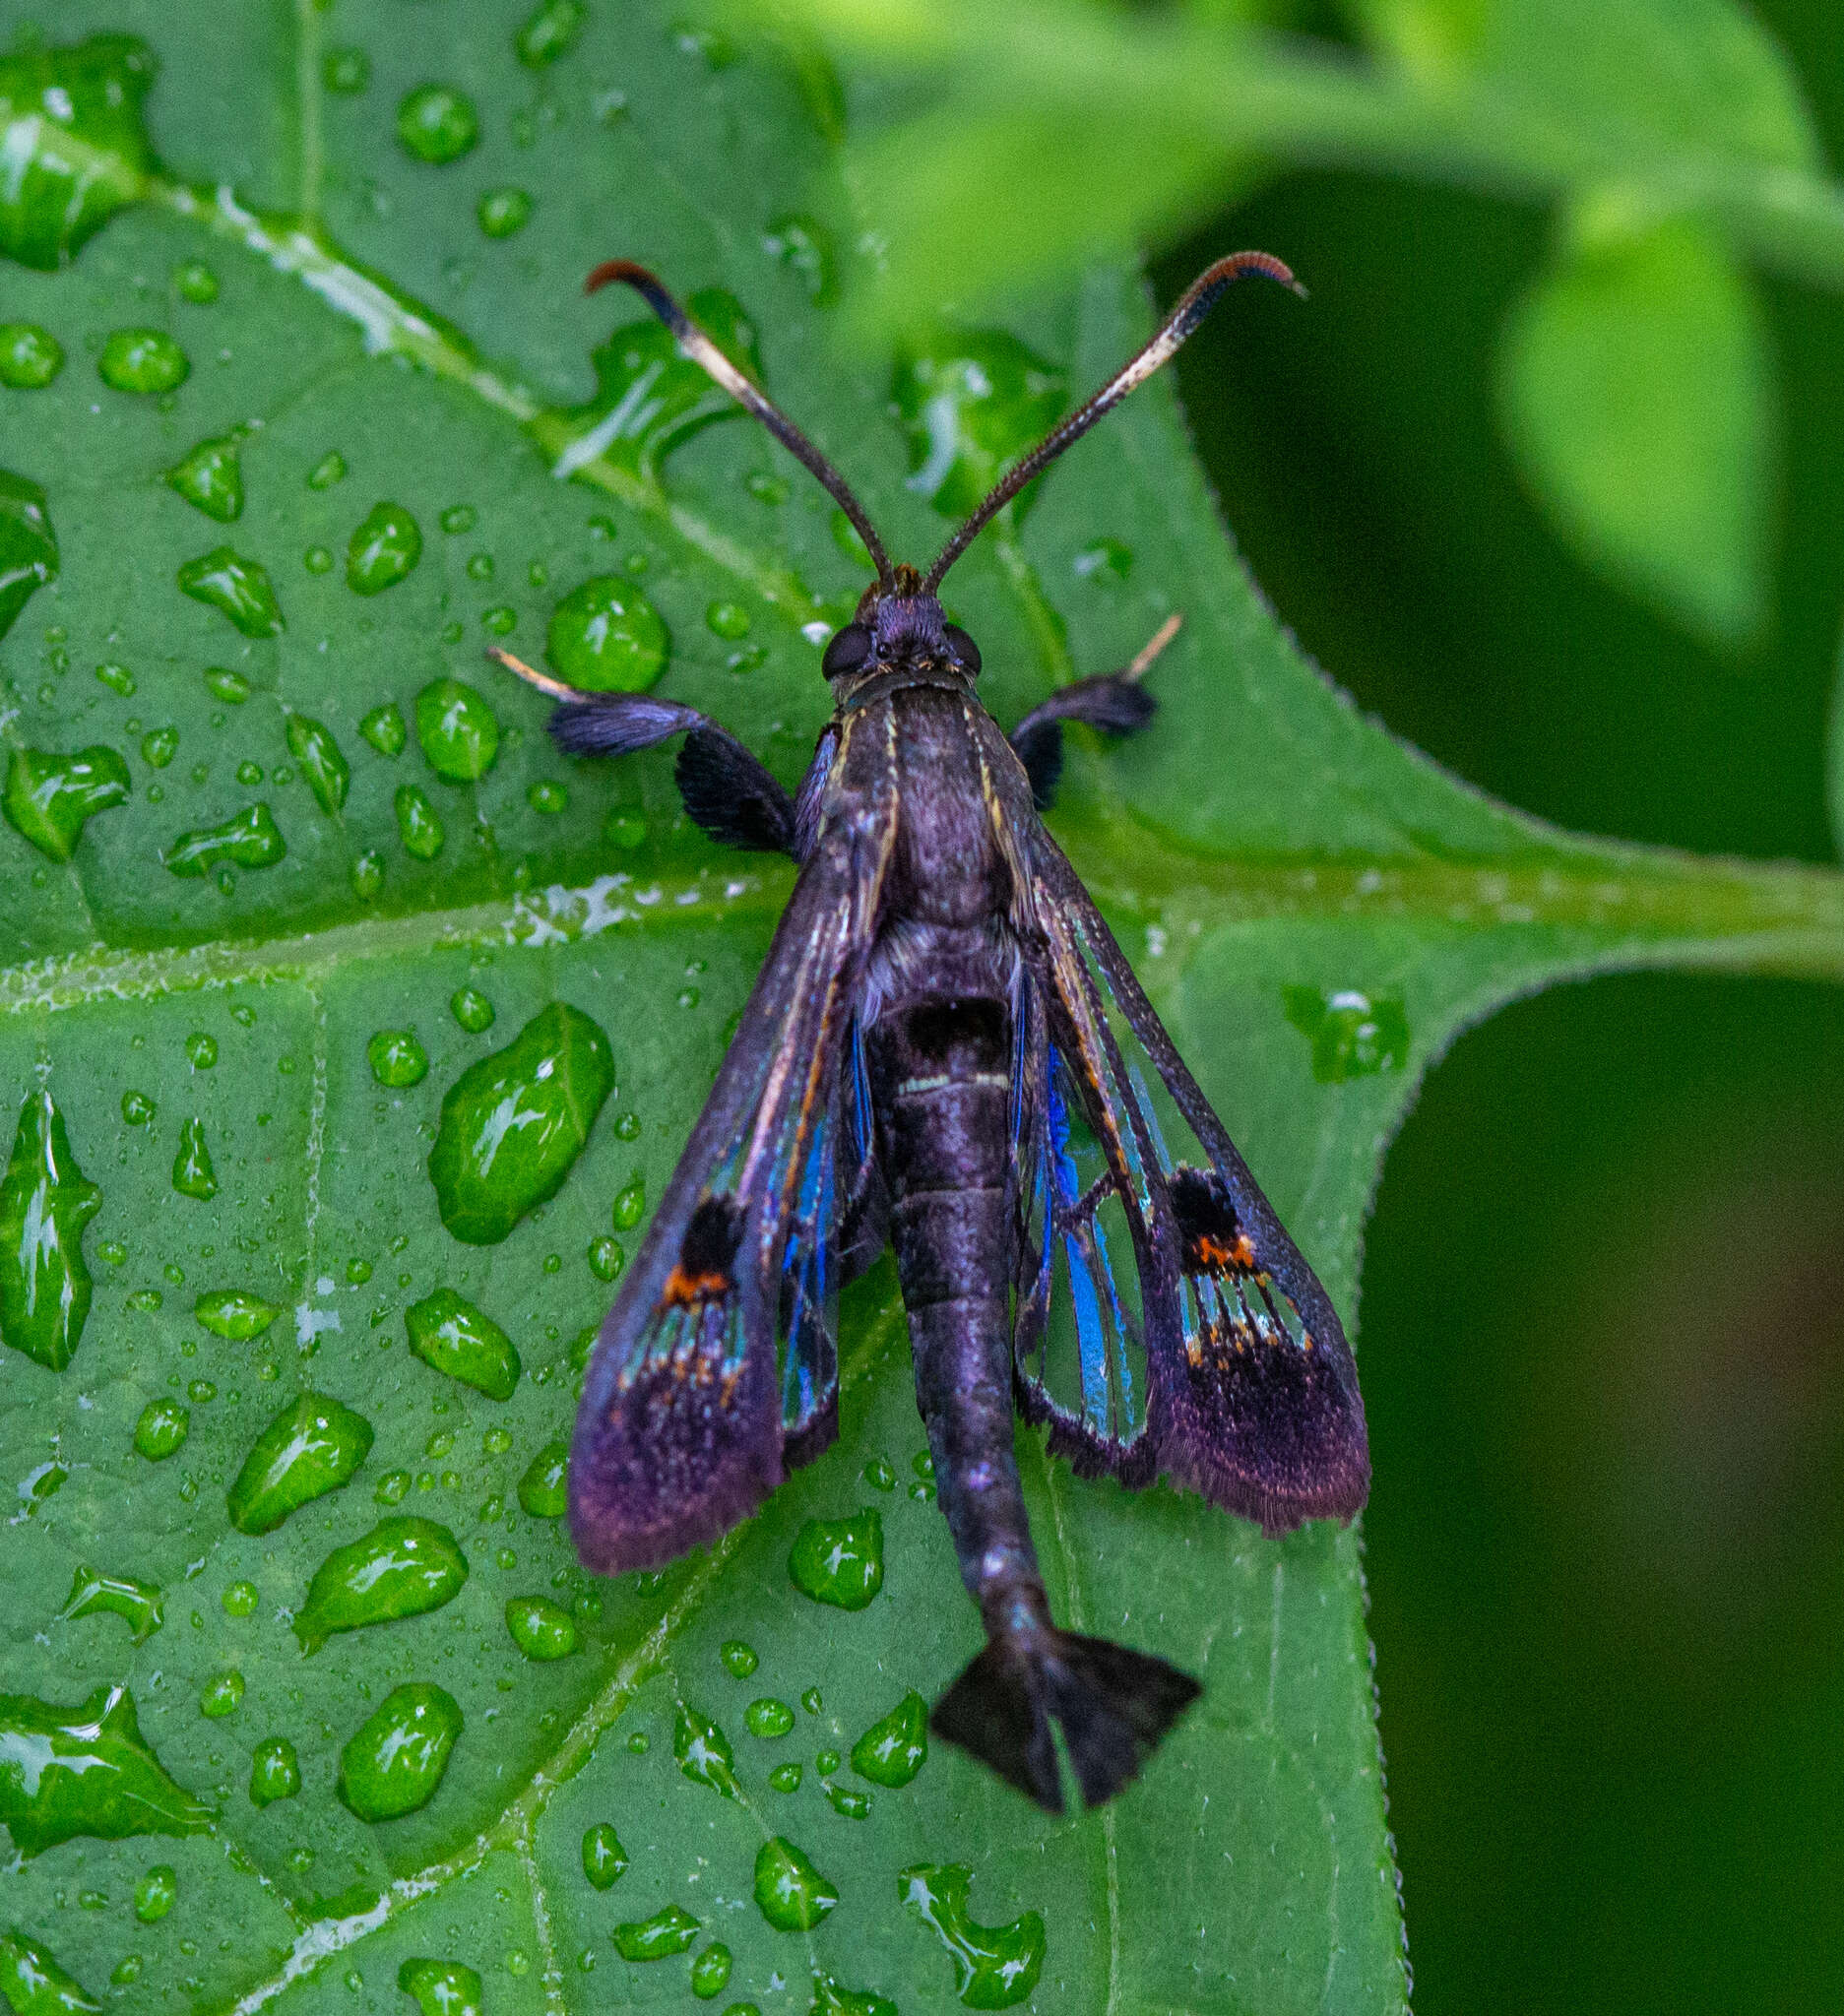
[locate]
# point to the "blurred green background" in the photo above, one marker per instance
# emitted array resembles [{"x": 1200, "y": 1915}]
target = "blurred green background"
[{"x": 1603, "y": 1318}]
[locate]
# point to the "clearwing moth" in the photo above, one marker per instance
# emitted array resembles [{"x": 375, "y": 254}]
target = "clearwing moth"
[{"x": 947, "y": 1052}]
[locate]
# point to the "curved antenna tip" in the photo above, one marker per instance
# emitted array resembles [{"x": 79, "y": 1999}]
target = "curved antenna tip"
[
  {"x": 629, "y": 269},
  {"x": 534, "y": 677}
]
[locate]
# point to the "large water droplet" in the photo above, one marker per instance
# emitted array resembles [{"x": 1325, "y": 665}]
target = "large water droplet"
[
  {"x": 223, "y": 1695},
  {"x": 514, "y": 1122},
  {"x": 156, "y": 1893},
  {"x": 322, "y": 762},
  {"x": 540, "y": 1628},
  {"x": 502, "y": 211},
  {"x": 971, "y": 403},
  {"x": 549, "y": 30},
  {"x": 1352, "y": 1034},
  {"x": 768, "y": 1718},
  {"x": 121, "y": 1595},
  {"x": 85, "y": 1769},
  {"x": 397, "y": 1058},
  {"x": 443, "y": 1988},
  {"x": 235, "y": 1314},
  {"x": 400, "y": 1568},
  {"x": 605, "y": 1859},
  {"x": 544, "y": 1488},
  {"x": 142, "y": 360},
  {"x": 667, "y": 1932},
  {"x": 193, "y": 1173},
  {"x": 210, "y": 477},
  {"x": 459, "y": 732},
  {"x": 417, "y": 824},
  {"x": 29, "y": 356},
  {"x": 49, "y": 797},
  {"x": 448, "y": 1333},
  {"x": 607, "y": 637},
  {"x": 891, "y": 1751},
  {"x": 28, "y": 546},
  {"x": 45, "y": 1202},
  {"x": 77, "y": 149},
  {"x": 313, "y": 1446},
  {"x": 437, "y": 123},
  {"x": 275, "y": 1772},
  {"x": 33, "y": 1983},
  {"x": 709, "y": 1972},
  {"x": 996, "y": 1965},
  {"x": 383, "y": 551},
  {"x": 703, "y": 1752},
  {"x": 249, "y": 839},
  {"x": 395, "y": 1758},
  {"x": 839, "y": 1561},
  {"x": 790, "y": 1892},
  {"x": 240, "y": 588},
  {"x": 161, "y": 1430}
]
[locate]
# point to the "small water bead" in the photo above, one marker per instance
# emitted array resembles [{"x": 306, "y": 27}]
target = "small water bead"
[
  {"x": 437, "y": 124},
  {"x": 394, "y": 1762},
  {"x": 543, "y": 1490},
  {"x": 540, "y": 1628},
  {"x": 729, "y": 620},
  {"x": 549, "y": 31},
  {"x": 201, "y": 1051},
  {"x": 223, "y": 1695},
  {"x": 397, "y": 1058},
  {"x": 328, "y": 471},
  {"x": 703, "y": 1752},
  {"x": 538, "y": 574},
  {"x": 318, "y": 560},
  {"x": 789, "y": 1891},
  {"x": 417, "y": 824},
  {"x": 502, "y": 211},
  {"x": 627, "y": 1126},
  {"x": 458, "y": 730},
  {"x": 879, "y": 1476},
  {"x": 240, "y": 588},
  {"x": 847, "y": 1801},
  {"x": 193, "y": 1172},
  {"x": 159, "y": 747},
  {"x": 195, "y": 281},
  {"x": 118, "y": 679},
  {"x": 547, "y": 798},
  {"x": 48, "y": 797},
  {"x": 606, "y": 635},
  {"x": 812, "y": 1701},
  {"x": 29, "y": 356},
  {"x": 201, "y": 1391},
  {"x": 402, "y": 1568},
  {"x": 125, "y": 1973},
  {"x": 630, "y": 1205},
  {"x": 146, "y": 1298},
  {"x": 142, "y": 360},
  {"x": 473, "y": 1010},
  {"x": 624, "y": 829},
  {"x": 1352, "y": 1034},
  {"x": 114, "y": 1251},
  {"x": 923, "y": 1493},
  {"x": 839, "y": 1561},
  {"x": 450, "y": 1334},
  {"x": 367, "y": 875},
  {"x": 826, "y": 1762},
  {"x": 892, "y": 1751},
  {"x": 922, "y": 1463},
  {"x": 93, "y": 1594},
  {"x": 383, "y": 551},
  {"x": 480, "y": 567},
  {"x": 768, "y": 1718},
  {"x": 345, "y": 71},
  {"x": 210, "y": 479},
  {"x": 275, "y": 1772},
  {"x": 225, "y": 684},
  {"x": 392, "y": 1488},
  {"x": 235, "y": 1313},
  {"x": 738, "y": 1659},
  {"x": 605, "y": 1859},
  {"x": 499, "y": 621},
  {"x": 639, "y": 1743},
  {"x": 161, "y": 1430},
  {"x": 496, "y": 1441},
  {"x": 323, "y": 763},
  {"x": 586, "y": 1606},
  {"x": 240, "y": 1599},
  {"x": 156, "y": 1892},
  {"x": 667, "y": 1932},
  {"x": 385, "y": 729},
  {"x": 1106, "y": 561},
  {"x": 313, "y": 1446},
  {"x": 709, "y": 1972}
]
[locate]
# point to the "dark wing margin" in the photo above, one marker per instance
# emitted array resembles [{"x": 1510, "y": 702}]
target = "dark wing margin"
[
  {"x": 1217, "y": 1358},
  {"x": 717, "y": 1368}
]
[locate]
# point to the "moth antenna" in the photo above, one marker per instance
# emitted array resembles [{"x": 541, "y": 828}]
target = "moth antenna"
[
  {"x": 704, "y": 352},
  {"x": 534, "y": 677},
  {"x": 1196, "y": 302},
  {"x": 1142, "y": 663}
]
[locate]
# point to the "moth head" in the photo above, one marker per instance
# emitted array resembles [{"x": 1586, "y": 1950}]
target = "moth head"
[{"x": 899, "y": 626}]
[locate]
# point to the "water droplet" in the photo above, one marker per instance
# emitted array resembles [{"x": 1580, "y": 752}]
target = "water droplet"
[
  {"x": 547, "y": 797},
  {"x": 318, "y": 560},
  {"x": 711, "y": 46},
  {"x": 768, "y": 1718},
  {"x": 630, "y": 1205},
  {"x": 417, "y": 824},
  {"x": 226, "y": 685},
  {"x": 223, "y": 1695},
  {"x": 29, "y": 356},
  {"x": 384, "y": 729},
  {"x": 1352, "y": 1034},
  {"x": 879, "y": 1476},
  {"x": 32, "y": 1983},
  {"x": 1106, "y": 561},
  {"x": 90, "y": 1772},
  {"x": 549, "y": 31},
  {"x": 458, "y": 730},
  {"x": 146, "y": 1298},
  {"x": 117, "y": 678},
  {"x": 49, "y": 797},
  {"x": 605, "y": 1859},
  {"x": 142, "y": 360},
  {"x": 850, "y": 1804},
  {"x": 322, "y": 762},
  {"x": 28, "y": 547},
  {"x": 543, "y": 1490},
  {"x": 201, "y": 1051},
  {"x": 826, "y": 1762},
  {"x": 786, "y": 1777},
  {"x": 437, "y": 123},
  {"x": 804, "y": 246},
  {"x": 502, "y": 211},
  {"x": 792, "y": 1893},
  {"x": 400, "y": 1568},
  {"x": 328, "y": 471},
  {"x": 892, "y": 1751},
  {"x": 812, "y": 1701},
  {"x": 313, "y": 1446},
  {"x": 121, "y": 1595},
  {"x": 395, "y": 1758},
  {"x": 738, "y": 1659},
  {"x": 368, "y": 874},
  {"x": 249, "y": 839},
  {"x": 996, "y": 1965},
  {"x": 448, "y": 1333},
  {"x": 606, "y": 635},
  {"x": 235, "y": 1314},
  {"x": 703, "y": 1752},
  {"x": 383, "y": 551},
  {"x": 193, "y": 1173},
  {"x": 275, "y": 1772},
  {"x": 501, "y": 621},
  {"x": 830, "y": 2000},
  {"x": 729, "y": 620},
  {"x": 443, "y": 1988},
  {"x": 667, "y": 1932},
  {"x": 514, "y": 1122},
  {"x": 156, "y": 1893},
  {"x": 608, "y": 1259},
  {"x": 196, "y": 282},
  {"x": 240, "y": 588},
  {"x": 540, "y": 1628},
  {"x": 709, "y": 1972},
  {"x": 480, "y": 566},
  {"x": 346, "y": 72},
  {"x": 240, "y": 1599},
  {"x": 472, "y": 1009},
  {"x": 392, "y": 1488},
  {"x": 970, "y": 403},
  {"x": 639, "y": 1742},
  {"x": 162, "y": 1429},
  {"x": 839, "y": 1561},
  {"x": 397, "y": 1058},
  {"x": 45, "y": 1202},
  {"x": 212, "y": 478},
  {"x": 159, "y": 747}
]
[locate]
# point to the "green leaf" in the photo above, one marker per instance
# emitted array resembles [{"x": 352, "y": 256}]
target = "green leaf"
[
  {"x": 1637, "y": 392},
  {"x": 431, "y": 1799}
]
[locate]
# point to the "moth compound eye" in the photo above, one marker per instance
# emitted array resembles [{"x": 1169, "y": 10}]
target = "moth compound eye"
[
  {"x": 965, "y": 651},
  {"x": 847, "y": 651}
]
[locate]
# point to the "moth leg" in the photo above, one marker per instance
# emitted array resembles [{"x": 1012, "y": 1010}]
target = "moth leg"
[
  {"x": 729, "y": 793},
  {"x": 1116, "y": 701}
]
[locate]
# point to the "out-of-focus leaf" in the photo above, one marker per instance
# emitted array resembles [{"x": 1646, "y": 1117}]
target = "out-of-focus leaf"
[{"x": 1637, "y": 392}]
